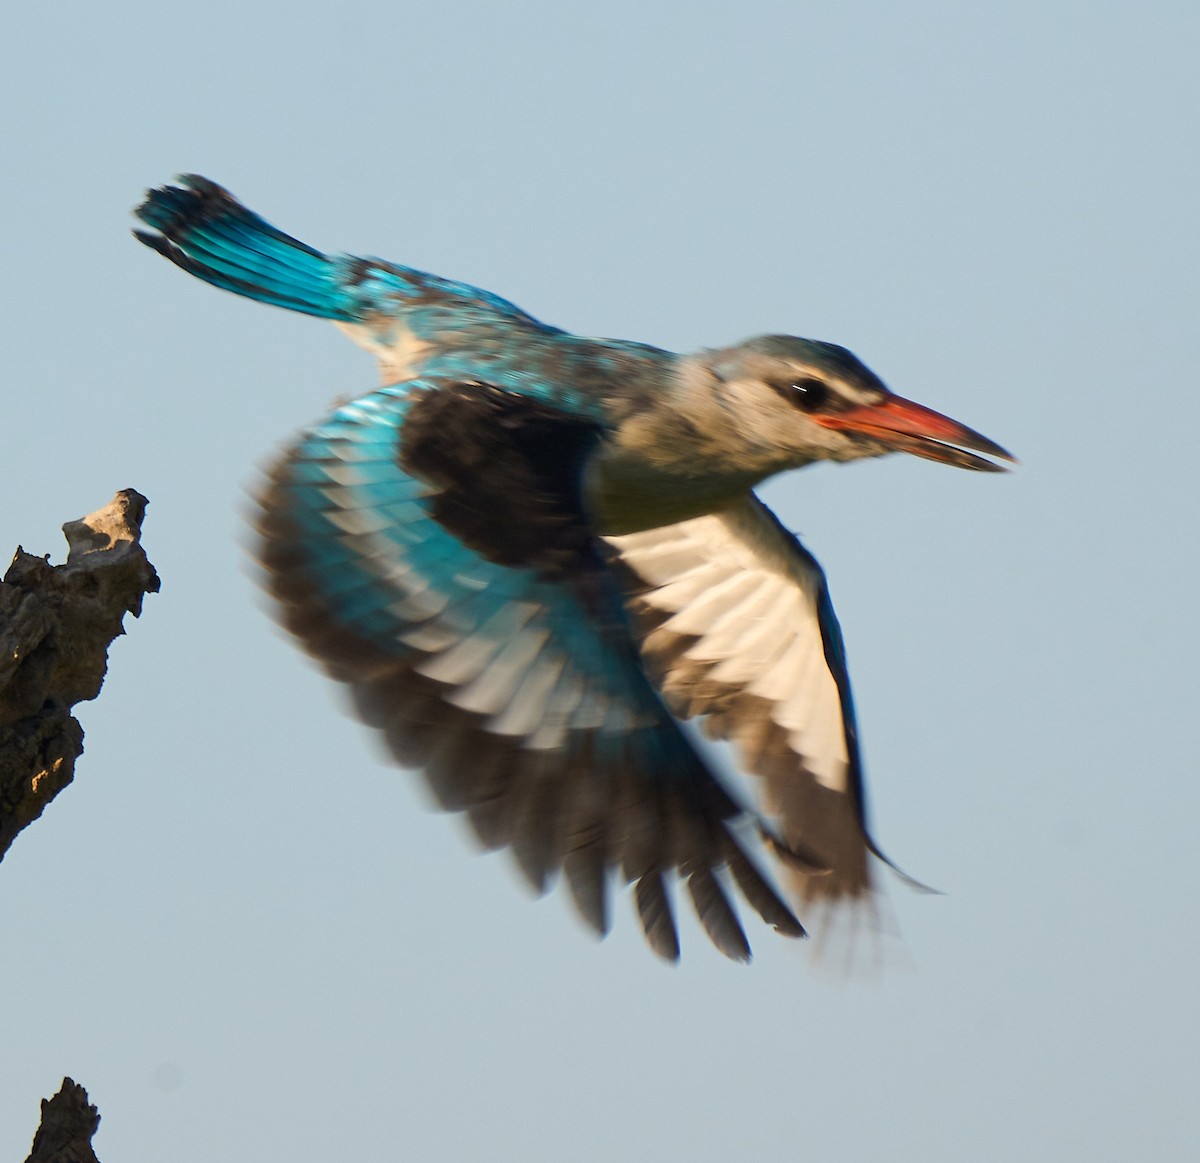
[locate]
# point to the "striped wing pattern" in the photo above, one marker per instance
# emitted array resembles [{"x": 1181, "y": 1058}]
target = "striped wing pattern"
[{"x": 521, "y": 698}]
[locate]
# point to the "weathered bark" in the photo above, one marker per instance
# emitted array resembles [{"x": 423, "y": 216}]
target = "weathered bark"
[
  {"x": 68, "y": 1123},
  {"x": 56, "y": 624}
]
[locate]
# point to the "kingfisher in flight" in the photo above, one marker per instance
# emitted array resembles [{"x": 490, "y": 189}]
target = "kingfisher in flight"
[{"x": 533, "y": 555}]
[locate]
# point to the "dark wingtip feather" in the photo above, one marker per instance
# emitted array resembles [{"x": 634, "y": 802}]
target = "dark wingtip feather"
[
  {"x": 762, "y": 896},
  {"x": 717, "y": 916},
  {"x": 204, "y": 230},
  {"x": 658, "y": 921},
  {"x": 203, "y": 185},
  {"x": 176, "y": 211},
  {"x": 173, "y": 253},
  {"x": 153, "y": 241},
  {"x": 911, "y": 881},
  {"x": 586, "y": 874},
  {"x": 535, "y": 827},
  {"x": 172, "y": 208}
]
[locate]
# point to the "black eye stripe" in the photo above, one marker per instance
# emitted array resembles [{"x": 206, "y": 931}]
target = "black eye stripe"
[{"x": 808, "y": 394}]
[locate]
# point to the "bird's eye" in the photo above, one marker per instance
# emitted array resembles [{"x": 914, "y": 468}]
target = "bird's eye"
[{"x": 809, "y": 395}]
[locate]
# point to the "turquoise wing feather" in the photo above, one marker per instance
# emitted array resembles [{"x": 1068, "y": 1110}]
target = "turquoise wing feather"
[{"x": 428, "y": 543}]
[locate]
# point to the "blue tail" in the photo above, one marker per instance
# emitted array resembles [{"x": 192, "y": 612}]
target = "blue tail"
[{"x": 205, "y": 230}]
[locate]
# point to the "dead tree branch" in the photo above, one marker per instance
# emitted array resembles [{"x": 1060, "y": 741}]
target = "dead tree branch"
[
  {"x": 68, "y": 1123},
  {"x": 56, "y": 624}
]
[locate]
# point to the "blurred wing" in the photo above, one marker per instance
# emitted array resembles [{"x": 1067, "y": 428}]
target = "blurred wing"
[
  {"x": 382, "y": 306},
  {"x": 428, "y": 544},
  {"x": 203, "y": 229},
  {"x": 736, "y": 621}
]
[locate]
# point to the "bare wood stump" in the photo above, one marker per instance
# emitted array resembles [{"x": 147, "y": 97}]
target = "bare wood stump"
[
  {"x": 68, "y": 1123},
  {"x": 56, "y": 625}
]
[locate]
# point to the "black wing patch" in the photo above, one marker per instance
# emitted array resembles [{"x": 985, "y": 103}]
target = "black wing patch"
[
  {"x": 428, "y": 542},
  {"x": 508, "y": 473}
]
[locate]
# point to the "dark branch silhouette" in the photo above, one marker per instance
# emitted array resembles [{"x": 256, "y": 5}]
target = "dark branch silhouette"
[
  {"x": 56, "y": 624},
  {"x": 68, "y": 1123}
]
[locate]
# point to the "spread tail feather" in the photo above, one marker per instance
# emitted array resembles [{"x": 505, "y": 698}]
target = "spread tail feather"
[{"x": 204, "y": 229}]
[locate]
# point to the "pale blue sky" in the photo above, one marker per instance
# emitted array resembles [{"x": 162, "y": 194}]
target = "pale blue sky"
[{"x": 243, "y": 931}]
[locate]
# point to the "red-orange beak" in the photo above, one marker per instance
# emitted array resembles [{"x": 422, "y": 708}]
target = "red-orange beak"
[{"x": 908, "y": 427}]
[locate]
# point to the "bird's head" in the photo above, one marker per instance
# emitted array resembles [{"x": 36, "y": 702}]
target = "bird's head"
[{"x": 817, "y": 401}]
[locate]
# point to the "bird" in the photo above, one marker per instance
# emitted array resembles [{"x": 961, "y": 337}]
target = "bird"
[{"x": 534, "y": 557}]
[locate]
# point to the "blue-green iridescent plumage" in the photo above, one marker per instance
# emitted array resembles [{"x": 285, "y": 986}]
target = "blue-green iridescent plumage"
[
  {"x": 400, "y": 593},
  {"x": 469, "y": 332},
  {"x": 437, "y": 543},
  {"x": 360, "y": 438},
  {"x": 220, "y": 241}
]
